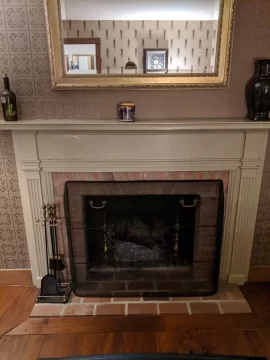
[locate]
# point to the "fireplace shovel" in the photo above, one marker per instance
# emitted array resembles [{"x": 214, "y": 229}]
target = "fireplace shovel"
[{"x": 49, "y": 286}]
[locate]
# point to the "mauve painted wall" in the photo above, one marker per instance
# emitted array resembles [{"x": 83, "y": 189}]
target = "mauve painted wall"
[{"x": 23, "y": 54}]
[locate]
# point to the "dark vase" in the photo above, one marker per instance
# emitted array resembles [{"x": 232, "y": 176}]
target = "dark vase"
[{"x": 258, "y": 92}]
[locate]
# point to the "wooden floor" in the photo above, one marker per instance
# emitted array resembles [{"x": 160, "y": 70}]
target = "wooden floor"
[
  {"x": 16, "y": 303},
  {"x": 247, "y": 334}
]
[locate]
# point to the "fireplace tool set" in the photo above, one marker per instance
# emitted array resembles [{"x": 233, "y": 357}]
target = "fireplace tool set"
[{"x": 52, "y": 289}]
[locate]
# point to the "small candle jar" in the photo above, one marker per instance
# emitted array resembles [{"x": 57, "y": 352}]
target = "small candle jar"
[{"x": 127, "y": 112}]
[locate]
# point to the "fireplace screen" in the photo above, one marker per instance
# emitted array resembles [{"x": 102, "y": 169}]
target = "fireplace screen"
[{"x": 144, "y": 238}]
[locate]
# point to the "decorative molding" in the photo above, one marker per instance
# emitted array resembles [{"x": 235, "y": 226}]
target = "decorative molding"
[
  {"x": 238, "y": 279},
  {"x": 250, "y": 163},
  {"x": 244, "y": 229},
  {"x": 35, "y": 195},
  {"x": 63, "y": 165},
  {"x": 29, "y": 180},
  {"x": 251, "y": 177},
  {"x": 30, "y": 165},
  {"x": 229, "y": 223},
  {"x": 47, "y": 187}
]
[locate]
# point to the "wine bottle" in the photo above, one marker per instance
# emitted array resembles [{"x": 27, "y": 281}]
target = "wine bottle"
[{"x": 8, "y": 100}]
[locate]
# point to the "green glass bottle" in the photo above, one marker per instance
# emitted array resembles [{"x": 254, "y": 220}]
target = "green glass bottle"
[{"x": 8, "y": 100}]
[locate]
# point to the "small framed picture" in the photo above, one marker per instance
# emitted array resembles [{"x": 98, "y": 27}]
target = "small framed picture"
[{"x": 155, "y": 60}]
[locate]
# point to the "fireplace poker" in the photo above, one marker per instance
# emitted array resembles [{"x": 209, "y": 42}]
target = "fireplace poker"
[
  {"x": 46, "y": 237},
  {"x": 50, "y": 212},
  {"x": 55, "y": 239}
]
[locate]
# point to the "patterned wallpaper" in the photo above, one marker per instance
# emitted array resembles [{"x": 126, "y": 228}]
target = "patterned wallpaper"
[
  {"x": 23, "y": 54},
  {"x": 191, "y": 44},
  {"x": 13, "y": 245}
]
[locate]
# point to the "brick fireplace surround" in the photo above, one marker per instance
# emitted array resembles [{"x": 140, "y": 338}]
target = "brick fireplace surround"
[
  {"x": 50, "y": 152},
  {"x": 59, "y": 180}
]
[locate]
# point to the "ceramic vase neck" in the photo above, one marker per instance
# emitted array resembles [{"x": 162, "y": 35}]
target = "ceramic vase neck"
[{"x": 262, "y": 68}]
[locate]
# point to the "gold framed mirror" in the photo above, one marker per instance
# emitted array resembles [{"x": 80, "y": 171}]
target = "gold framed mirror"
[{"x": 144, "y": 44}]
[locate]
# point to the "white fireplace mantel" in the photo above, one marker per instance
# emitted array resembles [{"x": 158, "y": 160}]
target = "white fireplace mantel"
[{"x": 43, "y": 147}]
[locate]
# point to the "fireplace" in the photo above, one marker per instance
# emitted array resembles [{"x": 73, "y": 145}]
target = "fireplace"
[
  {"x": 52, "y": 152},
  {"x": 144, "y": 238}
]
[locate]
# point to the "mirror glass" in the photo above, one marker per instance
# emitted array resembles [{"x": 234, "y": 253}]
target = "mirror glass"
[{"x": 140, "y": 37}]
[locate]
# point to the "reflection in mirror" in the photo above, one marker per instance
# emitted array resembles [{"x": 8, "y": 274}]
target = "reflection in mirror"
[
  {"x": 82, "y": 56},
  {"x": 158, "y": 36}
]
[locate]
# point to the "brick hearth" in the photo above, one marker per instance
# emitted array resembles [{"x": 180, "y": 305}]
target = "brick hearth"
[{"x": 229, "y": 300}]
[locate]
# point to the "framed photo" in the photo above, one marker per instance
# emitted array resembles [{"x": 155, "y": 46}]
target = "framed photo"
[{"x": 155, "y": 60}]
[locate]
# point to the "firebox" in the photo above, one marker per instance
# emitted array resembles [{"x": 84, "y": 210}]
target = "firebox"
[{"x": 144, "y": 238}]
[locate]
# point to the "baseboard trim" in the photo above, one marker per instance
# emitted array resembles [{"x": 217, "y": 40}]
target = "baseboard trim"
[
  {"x": 238, "y": 279},
  {"x": 16, "y": 277},
  {"x": 259, "y": 274}
]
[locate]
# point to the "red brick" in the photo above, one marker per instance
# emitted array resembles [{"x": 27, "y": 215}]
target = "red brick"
[
  {"x": 124, "y": 276},
  {"x": 161, "y": 175},
  {"x": 46, "y": 310},
  {"x": 127, "y": 294},
  {"x": 184, "y": 298},
  {"x": 126, "y": 299},
  {"x": 146, "y": 175},
  {"x": 169, "y": 285},
  {"x": 108, "y": 176},
  {"x": 156, "y": 298},
  {"x": 222, "y": 294},
  {"x": 142, "y": 309},
  {"x": 204, "y": 308},
  {"x": 235, "y": 307},
  {"x": 110, "y": 309},
  {"x": 74, "y": 299},
  {"x": 121, "y": 176},
  {"x": 78, "y": 310},
  {"x": 100, "y": 276},
  {"x": 235, "y": 293},
  {"x": 173, "y": 308},
  {"x": 133, "y": 176},
  {"x": 96, "y": 300},
  {"x": 140, "y": 285},
  {"x": 111, "y": 286}
]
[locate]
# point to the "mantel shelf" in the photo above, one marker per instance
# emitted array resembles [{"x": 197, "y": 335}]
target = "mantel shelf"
[{"x": 142, "y": 125}]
